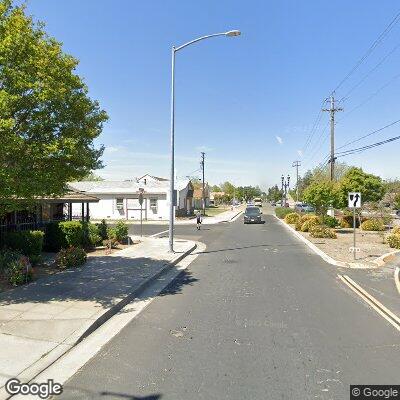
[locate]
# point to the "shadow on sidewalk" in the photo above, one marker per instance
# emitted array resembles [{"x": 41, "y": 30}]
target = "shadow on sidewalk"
[{"x": 104, "y": 280}]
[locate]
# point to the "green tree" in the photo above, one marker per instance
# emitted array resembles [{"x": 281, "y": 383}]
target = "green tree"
[
  {"x": 322, "y": 195},
  {"x": 370, "y": 186},
  {"x": 228, "y": 188},
  {"x": 92, "y": 177},
  {"x": 216, "y": 188},
  {"x": 274, "y": 194},
  {"x": 47, "y": 120}
]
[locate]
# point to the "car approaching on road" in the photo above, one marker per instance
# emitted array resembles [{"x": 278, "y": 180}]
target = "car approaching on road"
[
  {"x": 258, "y": 201},
  {"x": 252, "y": 215}
]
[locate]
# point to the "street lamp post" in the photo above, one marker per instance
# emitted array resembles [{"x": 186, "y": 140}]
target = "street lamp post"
[
  {"x": 172, "y": 177},
  {"x": 285, "y": 188}
]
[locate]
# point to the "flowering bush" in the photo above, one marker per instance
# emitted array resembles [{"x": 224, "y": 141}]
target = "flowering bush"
[
  {"x": 396, "y": 230},
  {"x": 16, "y": 267},
  {"x": 373, "y": 224},
  {"x": 394, "y": 240},
  {"x": 320, "y": 231},
  {"x": 292, "y": 218},
  {"x": 70, "y": 257},
  {"x": 303, "y": 219}
]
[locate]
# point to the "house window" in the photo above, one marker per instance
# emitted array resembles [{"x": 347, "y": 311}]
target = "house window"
[
  {"x": 120, "y": 204},
  {"x": 153, "y": 205}
]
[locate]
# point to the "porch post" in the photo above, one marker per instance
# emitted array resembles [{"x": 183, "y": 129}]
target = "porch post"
[
  {"x": 69, "y": 211},
  {"x": 83, "y": 212},
  {"x": 87, "y": 212}
]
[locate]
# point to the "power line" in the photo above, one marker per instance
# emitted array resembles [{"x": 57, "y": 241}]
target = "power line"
[
  {"x": 370, "y": 146},
  {"x": 373, "y": 46},
  {"x": 362, "y": 80},
  {"x": 314, "y": 127},
  {"x": 316, "y": 148},
  {"x": 369, "y": 97},
  {"x": 369, "y": 134}
]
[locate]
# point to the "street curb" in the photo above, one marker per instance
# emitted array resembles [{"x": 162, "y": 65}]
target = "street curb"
[
  {"x": 61, "y": 349},
  {"x": 312, "y": 246},
  {"x": 234, "y": 217},
  {"x": 397, "y": 278},
  {"x": 331, "y": 260},
  {"x": 382, "y": 260}
]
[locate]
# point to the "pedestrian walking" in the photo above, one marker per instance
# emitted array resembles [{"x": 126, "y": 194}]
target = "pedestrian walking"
[{"x": 198, "y": 220}]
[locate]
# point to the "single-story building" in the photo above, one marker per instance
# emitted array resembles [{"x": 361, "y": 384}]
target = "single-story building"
[
  {"x": 216, "y": 198},
  {"x": 120, "y": 199},
  {"x": 198, "y": 196},
  {"x": 49, "y": 209}
]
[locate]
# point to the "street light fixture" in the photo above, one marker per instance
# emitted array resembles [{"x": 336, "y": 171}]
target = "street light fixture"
[{"x": 172, "y": 177}]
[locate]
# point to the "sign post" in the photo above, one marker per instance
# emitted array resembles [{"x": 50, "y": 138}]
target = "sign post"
[
  {"x": 141, "y": 211},
  {"x": 354, "y": 201}
]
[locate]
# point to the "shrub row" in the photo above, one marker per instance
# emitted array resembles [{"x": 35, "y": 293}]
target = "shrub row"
[
  {"x": 29, "y": 243},
  {"x": 82, "y": 234},
  {"x": 394, "y": 240},
  {"x": 281, "y": 212}
]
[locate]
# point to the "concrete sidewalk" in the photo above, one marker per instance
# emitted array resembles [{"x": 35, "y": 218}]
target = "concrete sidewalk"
[{"x": 41, "y": 321}]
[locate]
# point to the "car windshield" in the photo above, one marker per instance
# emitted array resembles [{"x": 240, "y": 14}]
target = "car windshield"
[{"x": 252, "y": 211}]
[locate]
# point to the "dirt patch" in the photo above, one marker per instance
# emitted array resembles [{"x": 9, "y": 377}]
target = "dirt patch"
[{"x": 370, "y": 244}]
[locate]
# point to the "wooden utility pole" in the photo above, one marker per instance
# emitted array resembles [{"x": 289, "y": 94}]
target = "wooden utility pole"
[
  {"x": 297, "y": 165},
  {"x": 332, "y": 110}
]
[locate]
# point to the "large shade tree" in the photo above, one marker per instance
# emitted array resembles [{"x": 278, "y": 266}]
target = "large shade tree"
[
  {"x": 356, "y": 180},
  {"x": 47, "y": 121}
]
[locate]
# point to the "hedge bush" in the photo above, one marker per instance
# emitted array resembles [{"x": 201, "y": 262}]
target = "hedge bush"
[
  {"x": 281, "y": 212},
  {"x": 29, "y": 243},
  {"x": 320, "y": 231},
  {"x": 121, "y": 231},
  {"x": 394, "y": 240},
  {"x": 292, "y": 218},
  {"x": 373, "y": 224},
  {"x": 54, "y": 238},
  {"x": 73, "y": 232},
  {"x": 330, "y": 221},
  {"x": 94, "y": 237},
  {"x": 70, "y": 257},
  {"x": 102, "y": 227}
]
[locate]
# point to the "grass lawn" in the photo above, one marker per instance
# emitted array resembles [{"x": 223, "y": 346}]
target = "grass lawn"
[{"x": 212, "y": 211}]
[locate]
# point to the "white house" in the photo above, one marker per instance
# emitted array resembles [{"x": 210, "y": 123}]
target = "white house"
[{"x": 120, "y": 199}]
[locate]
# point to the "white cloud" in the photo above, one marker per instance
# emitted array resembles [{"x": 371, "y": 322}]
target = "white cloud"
[
  {"x": 300, "y": 153},
  {"x": 279, "y": 139},
  {"x": 112, "y": 149}
]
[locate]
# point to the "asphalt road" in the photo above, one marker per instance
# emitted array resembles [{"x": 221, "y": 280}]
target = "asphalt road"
[{"x": 256, "y": 316}]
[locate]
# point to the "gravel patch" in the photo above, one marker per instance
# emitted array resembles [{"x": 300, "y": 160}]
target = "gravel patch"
[{"x": 370, "y": 243}]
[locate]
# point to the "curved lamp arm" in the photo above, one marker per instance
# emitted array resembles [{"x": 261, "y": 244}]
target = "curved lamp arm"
[{"x": 229, "y": 33}]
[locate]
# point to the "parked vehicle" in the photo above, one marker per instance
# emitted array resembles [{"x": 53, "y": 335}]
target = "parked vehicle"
[
  {"x": 304, "y": 208},
  {"x": 252, "y": 215}
]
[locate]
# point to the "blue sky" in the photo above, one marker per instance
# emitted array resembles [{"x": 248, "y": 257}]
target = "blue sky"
[{"x": 249, "y": 102}]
